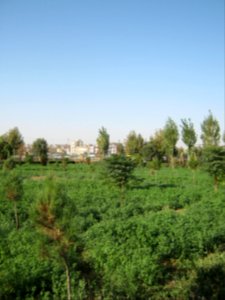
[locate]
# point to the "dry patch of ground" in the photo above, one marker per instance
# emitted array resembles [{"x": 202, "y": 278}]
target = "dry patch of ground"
[{"x": 37, "y": 178}]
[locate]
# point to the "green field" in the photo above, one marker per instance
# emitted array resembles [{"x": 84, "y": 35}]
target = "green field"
[{"x": 162, "y": 238}]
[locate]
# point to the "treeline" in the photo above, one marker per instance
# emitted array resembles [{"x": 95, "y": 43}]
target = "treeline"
[
  {"x": 163, "y": 144},
  {"x": 161, "y": 147}
]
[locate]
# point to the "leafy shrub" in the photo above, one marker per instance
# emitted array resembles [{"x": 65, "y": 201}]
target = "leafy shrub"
[
  {"x": 209, "y": 277},
  {"x": 119, "y": 169},
  {"x": 9, "y": 164},
  {"x": 214, "y": 163},
  {"x": 29, "y": 159},
  {"x": 176, "y": 203}
]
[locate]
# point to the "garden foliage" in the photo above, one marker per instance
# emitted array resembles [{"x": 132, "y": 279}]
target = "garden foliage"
[{"x": 75, "y": 240}]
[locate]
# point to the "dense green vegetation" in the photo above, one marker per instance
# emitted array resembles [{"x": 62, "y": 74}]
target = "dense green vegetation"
[
  {"x": 76, "y": 239},
  {"x": 145, "y": 224}
]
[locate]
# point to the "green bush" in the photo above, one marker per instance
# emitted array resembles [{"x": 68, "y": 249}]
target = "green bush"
[{"x": 9, "y": 164}]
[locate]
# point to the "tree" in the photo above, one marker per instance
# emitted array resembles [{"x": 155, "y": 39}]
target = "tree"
[
  {"x": 119, "y": 169},
  {"x": 155, "y": 148},
  {"x": 13, "y": 190},
  {"x": 224, "y": 137},
  {"x": 214, "y": 163},
  {"x": 134, "y": 143},
  {"x": 120, "y": 149},
  {"x": 210, "y": 131},
  {"x": 64, "y": 162},
  {"x": 171, "y": 136},
  {"x": 5, "y": 148},
  {"x": 9, "y": 164},
  {"x": 52, "y": 217},
  {"x": 40, "y": 150},
  {"x": 11, "y": 143},
  {"x": 181, "y": 158},
  {"x": 193, "y": 164},
  {"x": 154, "y": 165},
  {"x": 188, "y": 134},
  {"x": 14, "y": 139},
  {"x": 103, "y": 142}
]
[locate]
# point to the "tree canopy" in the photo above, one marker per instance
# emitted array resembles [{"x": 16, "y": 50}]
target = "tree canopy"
[
  {"x": 10, "y": 143},
  {"x": 5, "y": 148},
  {"x": 155, "y": 148},
  {"x": 134, "y": 143},
  {"x": 171, "y": 136},
  {"x": 15, "y": 139},
  {"x": 119, "y": 169},
  {"x": 214, "y": 163},
  {"x": 210, "y": 131},
  {"x": 189, "y": 136},
  {"x": 103, "y": 142},
  {"x": 40, "y": 150}
]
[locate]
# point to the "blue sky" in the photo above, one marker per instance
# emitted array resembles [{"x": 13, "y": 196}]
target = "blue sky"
[{"x": 69, "y": 67}]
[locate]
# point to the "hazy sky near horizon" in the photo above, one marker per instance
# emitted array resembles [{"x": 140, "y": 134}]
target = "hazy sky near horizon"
[{"x": 69, "y": 67}]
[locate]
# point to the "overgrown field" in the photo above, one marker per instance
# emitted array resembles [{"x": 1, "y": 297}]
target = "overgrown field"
[{"x": 162, "y": 238}]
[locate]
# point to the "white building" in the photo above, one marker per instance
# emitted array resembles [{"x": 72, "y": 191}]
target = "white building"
[
  {"x": 78, "y": 148},
  {"x": 113, "y": 148}
]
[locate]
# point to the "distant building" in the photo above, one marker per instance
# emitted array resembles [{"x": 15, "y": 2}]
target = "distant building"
[
  {"x": 28, "y": 149},
  {"x": 92, "y": 150},
  {"x": 58, "y": 151},
  {"x": 77, "y": 148},
  {"x": 113, "y": 148},
  {"x": 62, "y": 149},
  {"x": 80, "y": 150},
  {"x": 79, "y": 143}
]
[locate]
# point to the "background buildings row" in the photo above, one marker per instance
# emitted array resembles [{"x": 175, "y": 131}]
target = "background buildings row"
[{"x": 76, "y": 149}]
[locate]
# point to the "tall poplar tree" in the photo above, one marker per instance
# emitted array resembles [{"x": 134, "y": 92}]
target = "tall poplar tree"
[
  {"x": 134, "y": 143},
  {"x": 103, "y": 142},
  {"x": 171, "y": 136},
  {"x": 210, "y": 131},
  {"x": 189, "y": 136}
]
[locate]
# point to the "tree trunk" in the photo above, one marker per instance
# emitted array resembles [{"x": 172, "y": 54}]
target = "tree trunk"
[
  {"x": 16, "y": 216},
  {"x": 172, "y": 161},
  {"x": 193, "y": 176},
  {"x": 68, "y": 279},
  {"x": 155, "y": 175},
  {"x": 216, "y": 183},
  {"x": 122, "y": 195}
]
